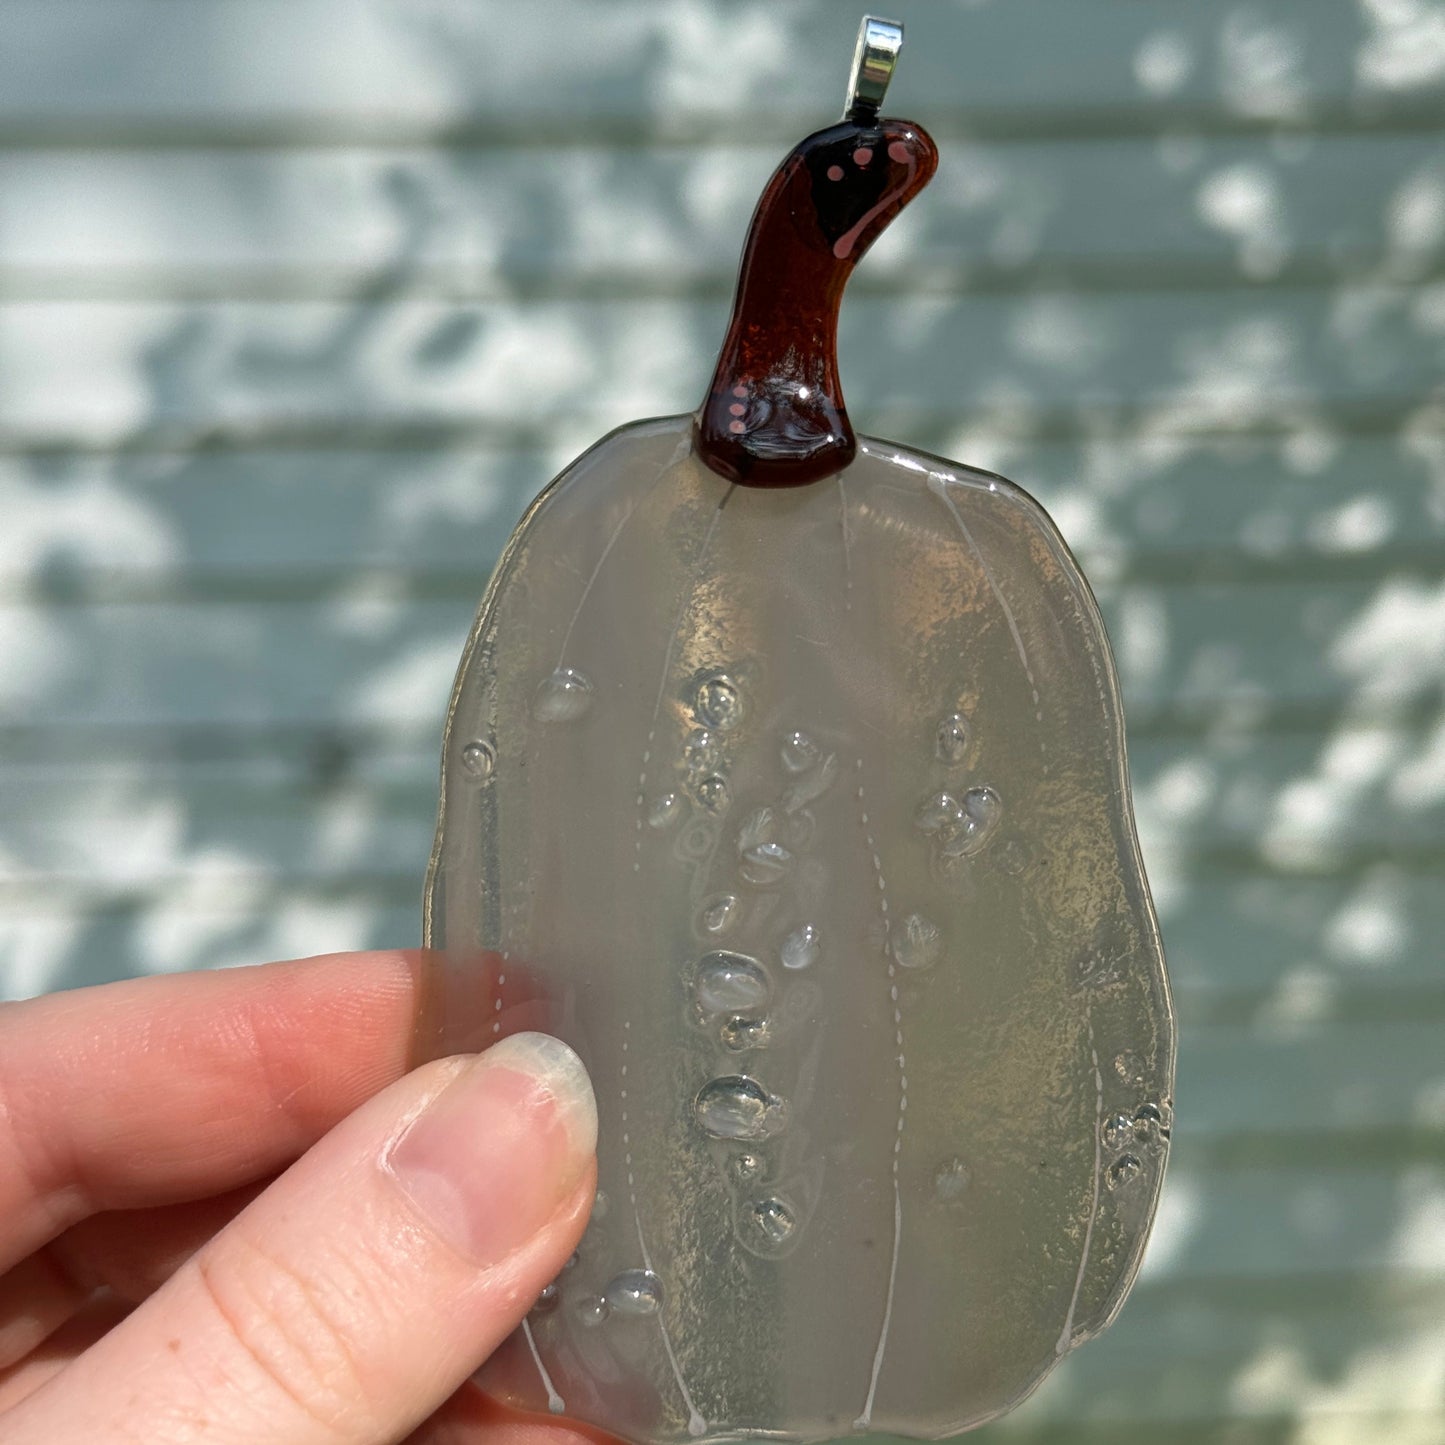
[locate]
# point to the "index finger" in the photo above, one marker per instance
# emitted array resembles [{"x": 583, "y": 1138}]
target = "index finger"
[{"x": 157, "y": 1090}]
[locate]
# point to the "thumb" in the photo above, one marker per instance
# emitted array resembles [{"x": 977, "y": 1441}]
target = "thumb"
[{"x": 363, "y": 1287}]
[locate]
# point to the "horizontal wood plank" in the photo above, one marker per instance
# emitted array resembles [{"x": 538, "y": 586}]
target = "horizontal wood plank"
[
  {"x": 99, "y": 373},
  {"x": 250, "y": 67},
  {"x": 1282, "y": 1090},
  {"x": 1220, "y": 798},
  {"x": 481, "y": 223},
  {"x": 1288, "y": 1427},
  {"x": 1174, "y": 1357},
  {"x": 146, "y": 527},
  {"x": 226, "y": 919},
  {"x": 1209, "y": 653},
  {"x": 1259, "y": 949},
  {"x": 1223, "y": 829},
  {"x": 1303, "y": 944}
]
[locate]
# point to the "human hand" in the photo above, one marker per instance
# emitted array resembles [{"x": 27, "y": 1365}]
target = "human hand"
[{"x": 162, "y": 1280}]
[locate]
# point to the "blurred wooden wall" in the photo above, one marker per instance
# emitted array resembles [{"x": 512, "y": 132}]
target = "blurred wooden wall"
[{"x": 302, "y": 300}]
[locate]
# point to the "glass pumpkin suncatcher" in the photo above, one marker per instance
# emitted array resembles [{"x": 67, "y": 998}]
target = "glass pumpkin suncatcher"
[{"x": 784, "y": 778}]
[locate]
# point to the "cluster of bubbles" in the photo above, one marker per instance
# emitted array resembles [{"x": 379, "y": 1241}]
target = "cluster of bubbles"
[
  {"x": 960, "y": 822},
  {"x": 960, "y": 826},
  {"x": 563, "y": 696},
  {"x": 717, "y": 709},
  {"x": 703, "y": 792},
  {"x": 733, "y": 991},
  {"x": 1145, "y": 1131},
  {"x": 632, "y": 1294},
  {"x": 734, "y": 994}
]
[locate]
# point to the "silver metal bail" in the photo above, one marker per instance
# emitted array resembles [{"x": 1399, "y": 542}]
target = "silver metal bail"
[{"x": 879, "y": 42}]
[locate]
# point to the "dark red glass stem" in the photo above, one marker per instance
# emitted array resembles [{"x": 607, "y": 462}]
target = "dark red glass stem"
[{"x": 774, "y": 413}]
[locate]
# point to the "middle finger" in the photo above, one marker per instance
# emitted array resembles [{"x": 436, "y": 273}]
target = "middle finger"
[{"x": 130, "y": 1252}]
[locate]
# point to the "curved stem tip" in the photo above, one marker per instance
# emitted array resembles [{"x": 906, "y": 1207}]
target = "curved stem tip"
[{"x": 774, "y": 413}]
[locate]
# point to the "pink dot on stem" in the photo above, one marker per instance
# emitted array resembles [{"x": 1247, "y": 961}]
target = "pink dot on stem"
[
  {"x": 862, "y": 155},
  {"x": 740, "y": 391},
  {"x": 835, "y": 173},
  {"x": 737, "y": 408},
  {"x": 899, "y": 152},
  {"x": 736, "y": 426}
]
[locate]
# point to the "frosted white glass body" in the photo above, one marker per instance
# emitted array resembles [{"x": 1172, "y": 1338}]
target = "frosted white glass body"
[{"x": 803, "y": 815}]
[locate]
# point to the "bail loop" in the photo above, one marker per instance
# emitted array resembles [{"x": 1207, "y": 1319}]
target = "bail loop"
[{"x": 879, "y": 42}]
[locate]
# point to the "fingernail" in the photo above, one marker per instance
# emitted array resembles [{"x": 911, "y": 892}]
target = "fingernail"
[{"x": 488, "y": 1162}]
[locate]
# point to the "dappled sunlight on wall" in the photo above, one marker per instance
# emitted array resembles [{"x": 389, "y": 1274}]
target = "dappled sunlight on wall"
[{"x": 301, "y": 307}]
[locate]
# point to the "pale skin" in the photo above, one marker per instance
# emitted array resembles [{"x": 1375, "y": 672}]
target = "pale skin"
[{"x": 229, "y": 1213}]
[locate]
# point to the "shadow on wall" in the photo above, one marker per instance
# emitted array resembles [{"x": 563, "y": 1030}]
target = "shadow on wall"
[{"x": 278, "y": 381}]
